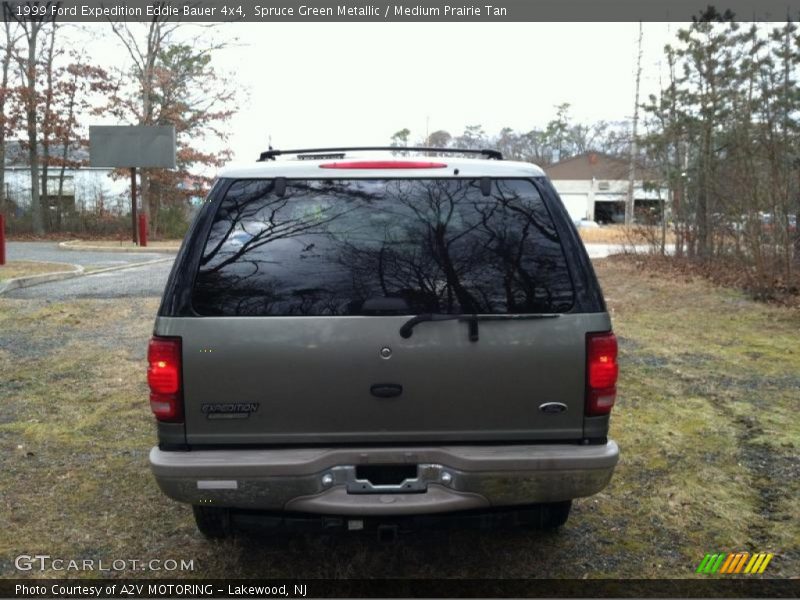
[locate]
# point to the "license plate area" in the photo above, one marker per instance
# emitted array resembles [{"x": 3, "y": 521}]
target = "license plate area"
[
  {"x": 382, "y": 479},
  {"x": 386, "y": 474}
]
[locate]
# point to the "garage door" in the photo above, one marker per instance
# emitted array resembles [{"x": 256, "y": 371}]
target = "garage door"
[{"x": 576, "y": 205}]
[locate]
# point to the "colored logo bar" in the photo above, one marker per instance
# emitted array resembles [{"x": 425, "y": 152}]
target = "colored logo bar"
[{"x": 737, "y": 562}]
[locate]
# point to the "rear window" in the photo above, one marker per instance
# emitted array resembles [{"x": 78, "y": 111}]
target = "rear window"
[{"x": 382, "y": 246}]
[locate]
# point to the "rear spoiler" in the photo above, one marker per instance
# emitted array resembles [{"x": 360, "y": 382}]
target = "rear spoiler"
[{"x": 488, "y": 153}]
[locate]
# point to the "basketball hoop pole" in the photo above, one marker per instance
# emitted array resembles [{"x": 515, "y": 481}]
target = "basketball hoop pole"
[{"x": 133, "y": 207}]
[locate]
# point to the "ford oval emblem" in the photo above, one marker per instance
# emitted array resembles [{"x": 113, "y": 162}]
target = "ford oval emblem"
[{"x": 552, "y": 408}]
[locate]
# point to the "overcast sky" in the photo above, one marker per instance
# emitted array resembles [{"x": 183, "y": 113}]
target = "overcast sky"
[{"x": 318, "y": 84}]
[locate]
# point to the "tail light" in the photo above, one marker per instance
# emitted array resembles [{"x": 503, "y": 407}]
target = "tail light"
[
  {"x": 164, "y": 378},
  {"x": 601, "y": 373},
  {"x": 384, "y": 164}
]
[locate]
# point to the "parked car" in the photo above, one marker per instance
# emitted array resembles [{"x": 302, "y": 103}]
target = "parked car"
[
  {"x": 362, "y": 340},
  {"x": 585, "y": 224}
]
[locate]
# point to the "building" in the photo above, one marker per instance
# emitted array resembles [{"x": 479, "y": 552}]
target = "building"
[
  {"x": 594, "y": 186},
  {"x": 84, "y": 188}
]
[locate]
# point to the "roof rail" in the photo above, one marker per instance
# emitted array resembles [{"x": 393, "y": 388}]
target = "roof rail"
[{"x": 493, "y": 154}]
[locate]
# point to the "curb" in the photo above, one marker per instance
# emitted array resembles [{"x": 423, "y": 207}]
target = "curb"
[
  {"x": 23, "y": 282},
  {"x": 74, "y": 245},
  {"x": 123, "y": 267}
]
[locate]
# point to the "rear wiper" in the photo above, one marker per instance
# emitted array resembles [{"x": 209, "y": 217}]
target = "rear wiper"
[{"x": 408, "y": 327}]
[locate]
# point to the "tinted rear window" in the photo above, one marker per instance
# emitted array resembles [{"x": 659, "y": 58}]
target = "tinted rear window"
[{"x": 368, "y": 246}]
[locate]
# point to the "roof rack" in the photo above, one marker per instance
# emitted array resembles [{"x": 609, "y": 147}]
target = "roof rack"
[{"x": 493, "y": 154}]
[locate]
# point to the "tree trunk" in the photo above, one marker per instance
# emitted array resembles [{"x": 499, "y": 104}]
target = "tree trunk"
[
  {"x": 65, "y": 156},
  {"x": 791, "y": 264},
  {"x": 30, "y": 115},
  {"x": 630, "y": 200},
  {"x": 797, "y": 221},
  {"x": 703, "y": 187},
  {"x": 153, "y": 43},
  {"x": 3, "y": 96},
  {"x": 46, "y": 133}
]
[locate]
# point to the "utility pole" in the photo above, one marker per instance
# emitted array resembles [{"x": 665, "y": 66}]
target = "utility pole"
[
  {"x": 427, "y": 130},
  {"x": 629, "y": 202},
  {"x": 134, "y": 219}
]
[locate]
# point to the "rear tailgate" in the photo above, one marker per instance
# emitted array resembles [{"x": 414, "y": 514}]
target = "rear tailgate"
[{"x": 307, "y": 379}]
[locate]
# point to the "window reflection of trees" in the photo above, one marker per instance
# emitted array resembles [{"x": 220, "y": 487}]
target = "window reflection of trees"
[
  {"x": 466, "y": 253},
  {"x": 440, "y": 245},
  {"x": 233, "y": 275}
]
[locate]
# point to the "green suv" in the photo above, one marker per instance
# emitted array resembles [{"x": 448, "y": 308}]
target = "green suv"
[{"x": 356, "y": 337}]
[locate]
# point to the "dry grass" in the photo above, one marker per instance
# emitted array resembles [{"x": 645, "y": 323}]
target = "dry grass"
[
  {"x": 620, "y": 234},
  {"x": 706, "y": 422},
  {"x": 25, "y": 268},
  {"x": 709, "y": 392},
  {"x": 605, "y": 234}
]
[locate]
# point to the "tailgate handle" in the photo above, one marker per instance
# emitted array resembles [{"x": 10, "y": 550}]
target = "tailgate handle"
[{"x": 386, "y": 390}]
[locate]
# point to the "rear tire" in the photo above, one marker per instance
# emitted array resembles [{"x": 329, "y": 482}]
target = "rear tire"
[
  {"x": 213, "y": 522},
  {"x": 546, "y": 516}
]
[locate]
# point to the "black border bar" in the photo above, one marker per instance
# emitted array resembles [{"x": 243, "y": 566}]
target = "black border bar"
[
  {"x": 706, "y": 587},
  {"x": 489, "y": 11}
]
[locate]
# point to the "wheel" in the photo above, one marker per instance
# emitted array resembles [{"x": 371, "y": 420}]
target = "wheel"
[
  {"x": 214, "y": 523},
  {"x": 549, "y": 515}
]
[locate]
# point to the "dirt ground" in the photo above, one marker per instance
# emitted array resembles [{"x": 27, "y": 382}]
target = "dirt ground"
[{"x": 706, "y": 421}]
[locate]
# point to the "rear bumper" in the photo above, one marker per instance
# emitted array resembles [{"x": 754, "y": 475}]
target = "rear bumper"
[{"x": 320, "y": 480}]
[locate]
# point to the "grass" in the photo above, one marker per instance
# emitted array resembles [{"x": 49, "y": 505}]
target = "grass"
[
  {"x": 706, "y": 420},
  {"x": 25, "y": 268},
  {"x": 714, "y": 378},
  {"x": 620, "y": 234}
]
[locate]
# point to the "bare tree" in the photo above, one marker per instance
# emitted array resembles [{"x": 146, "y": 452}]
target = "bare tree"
[
  {"x": 12, "y": 37},
  {"x": 47, "y": 121},
  {"x": 32, "y": 27},
  {"x": 144, "y": 54},
  {"x": 629, "y": 201},
  {"x": 176, "y": 85}
]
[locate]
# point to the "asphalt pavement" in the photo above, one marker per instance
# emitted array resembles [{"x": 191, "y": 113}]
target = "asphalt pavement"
[
  {"x": 142, "y": 281},
  {"x": 50, "y": 252},
  {"x": 136, "y": 282}
]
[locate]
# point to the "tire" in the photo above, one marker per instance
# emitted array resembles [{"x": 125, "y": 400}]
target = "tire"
[
  {"x": 214, "y": 523},
  {"x": 546, "y": 516}
]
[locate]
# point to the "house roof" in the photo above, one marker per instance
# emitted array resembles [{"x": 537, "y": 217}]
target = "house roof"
[
  {"x": 596, "y": 165},
  {"x": 17, "y": 155}
]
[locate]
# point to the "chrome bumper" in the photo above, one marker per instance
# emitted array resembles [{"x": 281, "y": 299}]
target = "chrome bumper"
[{"x": 324, "y": 481}]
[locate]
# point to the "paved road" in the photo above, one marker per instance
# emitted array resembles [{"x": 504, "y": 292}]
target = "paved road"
[
  {"x": 136, "y": 282},
  {"x": 50, "y": 252}
]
